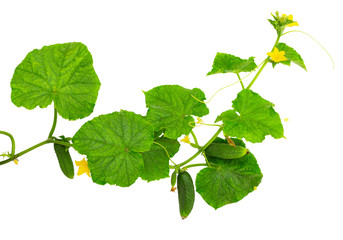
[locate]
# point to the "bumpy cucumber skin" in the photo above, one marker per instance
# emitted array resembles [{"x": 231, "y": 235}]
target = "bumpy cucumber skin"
[
  {"x": 225, "y": 151},
  {"x": 65, "y": 161},
  {"x": 186, "y": 193}
]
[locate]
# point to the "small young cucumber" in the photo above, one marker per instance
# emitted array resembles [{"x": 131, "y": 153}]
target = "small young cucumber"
[
  {"x": 64, "y": 159},
  {"x": 185, "y": 189},
  {"x": 173, "y": 181},
  {"x": 225, "y": 151}
]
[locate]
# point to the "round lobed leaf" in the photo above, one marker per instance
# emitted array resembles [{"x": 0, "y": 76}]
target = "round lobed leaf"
[
  {"x": 171, "y": 107},
  {"x": 60, "y": 73},
  {"x": 113, "y": 144}
]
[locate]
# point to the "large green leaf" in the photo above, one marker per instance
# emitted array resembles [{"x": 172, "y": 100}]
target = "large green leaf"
[
  {"x": 224, "y": 63},
  {"x": 171, "y": 107},
  {"x": 113, "y": 144},
  {"x": 156, "y": 160},
  {"x": 253, "y": 118},
  {"x": 228, "y": 181},
  {"x": 291, "y": 55},
  {"x": 62, "y": 73}
]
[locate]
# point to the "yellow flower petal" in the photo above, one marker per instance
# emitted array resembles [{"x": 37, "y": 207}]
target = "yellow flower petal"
[
  {"x": 186, "y": 139},
  {"x": 83, "y": 167},
  {"x": 292, "y": 24},
  {"x": 277, "y": 56},
  {"x": 16, "y": 161},
  {"x": 290, "y": 17}
]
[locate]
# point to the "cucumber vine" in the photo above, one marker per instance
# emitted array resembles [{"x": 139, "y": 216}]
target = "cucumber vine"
[{"x": 122, "y": 146}]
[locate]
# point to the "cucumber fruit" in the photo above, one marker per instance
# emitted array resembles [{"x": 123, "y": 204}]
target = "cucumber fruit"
[
  {"x": 225, "y": 151},
  {"x": 173, "y": 181},
  {"x": 64, "y": 159},
  {"x": 186, "y": 193}
]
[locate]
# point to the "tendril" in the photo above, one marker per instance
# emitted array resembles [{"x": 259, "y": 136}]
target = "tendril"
[
  {"x": 200, "y": 122},
  {"x": 327, "y": 52}
]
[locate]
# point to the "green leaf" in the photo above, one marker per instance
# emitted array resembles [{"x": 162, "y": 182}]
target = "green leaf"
[
  {"x": 64, "y": 160},
  {"x": 156, "y": 160},
  {"x": 229, "y": 181},
  {"x": 224, "y": 63},
  {"x": 171, "y": 107},
  {"x": 62, "y": 73},
  {"x": 291, "y": 55},
  {"x": 253, "y": 118},
  {"x": 113, "y": 144}
]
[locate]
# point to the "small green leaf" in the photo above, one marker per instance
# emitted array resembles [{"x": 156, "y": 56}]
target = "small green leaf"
[
  {"x": 171, "y": 107},
  {"x": 64, "y": 160},
  {"x": 229, "y": 181},
  {"x": 224, "y": 63},
  {"x": 253, "y": 118},
  {"x": 156, "y": 160},
  {"x": 62, "y": 73},
  {"x": 291, "y": 55},
  {"x": 113, "y": 144}
]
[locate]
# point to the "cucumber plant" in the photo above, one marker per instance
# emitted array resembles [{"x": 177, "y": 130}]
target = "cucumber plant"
[{"x": 121, "y": 147}]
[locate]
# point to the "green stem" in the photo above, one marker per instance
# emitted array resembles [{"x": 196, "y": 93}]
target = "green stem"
[
  {"x": 165, "y": 151},
  {"x": 265, "y": 62},
  {"x": 53, "y": 124},
  {"x": 12, "y": 141},
  {"x": 34, "y": 147},
  {"x": 195, "y": 165},
  {"x": 258, "y": 73},
  {"x": 202, "y": 148},
  {"x": 195, "y": 139},
  {"x": 207, "y": 162},
  {"x": 240, "y": 80}
]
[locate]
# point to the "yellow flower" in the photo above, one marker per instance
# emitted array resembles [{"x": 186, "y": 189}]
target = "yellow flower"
[
  {"x": 15, "y": 161},
  {"x": 292, "y": 24},
  {"x": 186, "y": 139},
  {"x": 284, "y": 19},
  {"x": 83, "y": 167},
  {"x": 276, "y": 55},
  {"x": 255, "y": 188}
]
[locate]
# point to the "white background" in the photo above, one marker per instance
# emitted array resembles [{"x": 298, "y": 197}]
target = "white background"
[{"x": 137, "y": 45}]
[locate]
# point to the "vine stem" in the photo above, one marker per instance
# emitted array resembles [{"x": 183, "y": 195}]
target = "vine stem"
[
  {"x": 258, "y": 73},
  {"x": 12, "y": 141},
  {"x": 53, "y": 124},
  {"x": 195, "y": 165},
  {"x": 202, "y": 148},
  {"x": 195, "y": 139},
  {"x": 265, "y": 62},
  {"x": 165, "y": 151},
  {"x": 34, "y": 147},
  {"x": 240, "y": 80}
]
